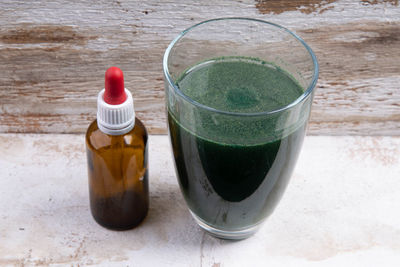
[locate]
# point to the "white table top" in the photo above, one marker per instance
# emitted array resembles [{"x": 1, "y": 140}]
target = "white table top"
[{"x": 341, "y": 208}]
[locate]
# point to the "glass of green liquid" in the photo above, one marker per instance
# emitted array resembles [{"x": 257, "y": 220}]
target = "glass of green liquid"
[{"x": 238, "y": 97}]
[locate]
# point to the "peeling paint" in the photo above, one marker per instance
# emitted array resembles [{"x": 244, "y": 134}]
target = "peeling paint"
[{"x": 304, "y": 6}]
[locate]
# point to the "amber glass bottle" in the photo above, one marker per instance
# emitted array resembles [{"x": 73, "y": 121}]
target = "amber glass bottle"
[{"x": 117, "y": 166}]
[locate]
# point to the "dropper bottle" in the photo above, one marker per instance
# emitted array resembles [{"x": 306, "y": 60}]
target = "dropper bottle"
[{"x": 116, "y": 146}]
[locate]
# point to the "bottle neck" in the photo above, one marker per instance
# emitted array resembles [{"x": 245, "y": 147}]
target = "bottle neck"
[{"x": 115, "y": 131}]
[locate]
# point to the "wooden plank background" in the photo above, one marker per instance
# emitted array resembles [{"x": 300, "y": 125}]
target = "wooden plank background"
[{"x": 53, "y": 56}]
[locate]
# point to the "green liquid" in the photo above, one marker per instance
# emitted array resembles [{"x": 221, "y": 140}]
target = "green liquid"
[
  {"x": 227, "y": 183},
  {"x": 239, "y": 85}
]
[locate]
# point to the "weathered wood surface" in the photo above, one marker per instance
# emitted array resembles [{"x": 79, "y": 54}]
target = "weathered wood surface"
[
  {"x": 341, "y": 217},
  {"x": 53, "y": 56}
]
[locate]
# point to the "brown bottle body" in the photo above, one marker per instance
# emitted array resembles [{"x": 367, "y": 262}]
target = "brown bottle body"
[{"x": 118, "y": 176}]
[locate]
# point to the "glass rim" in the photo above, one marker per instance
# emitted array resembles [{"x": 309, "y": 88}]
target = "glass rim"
[{"x": 298, "y": 100}]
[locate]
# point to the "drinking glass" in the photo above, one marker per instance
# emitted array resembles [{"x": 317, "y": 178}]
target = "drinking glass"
[{"x": 233, "y": 164}]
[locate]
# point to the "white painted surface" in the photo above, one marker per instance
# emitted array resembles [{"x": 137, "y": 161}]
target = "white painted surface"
[{"x": 342, "y": 208}]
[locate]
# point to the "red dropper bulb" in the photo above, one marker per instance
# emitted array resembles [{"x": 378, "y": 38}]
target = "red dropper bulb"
[{"x": 114, "y": 87}]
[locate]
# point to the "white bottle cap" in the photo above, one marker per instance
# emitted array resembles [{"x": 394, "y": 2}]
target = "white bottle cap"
[{"x": 115, "y": 119}]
